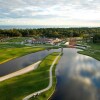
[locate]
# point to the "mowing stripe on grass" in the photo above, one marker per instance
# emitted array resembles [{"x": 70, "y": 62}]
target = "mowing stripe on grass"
[
  {"x": 20, "y": 86},
  {"x": 50, "y": 82}
]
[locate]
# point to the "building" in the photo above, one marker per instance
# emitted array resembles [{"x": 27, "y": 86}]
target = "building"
[{"x": 42, "y": 41}]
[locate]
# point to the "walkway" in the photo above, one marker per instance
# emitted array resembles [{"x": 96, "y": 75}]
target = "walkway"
[{"x": 50, "y": 82}]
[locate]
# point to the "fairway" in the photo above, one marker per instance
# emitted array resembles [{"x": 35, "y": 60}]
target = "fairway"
[
  {"x": 7, "y": 54},
  {"x": 21, "y": 86},
  {"x": 92, "y": 51}
]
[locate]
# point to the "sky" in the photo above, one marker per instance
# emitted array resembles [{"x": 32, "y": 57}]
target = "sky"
[{"x": 50, "y": 12}]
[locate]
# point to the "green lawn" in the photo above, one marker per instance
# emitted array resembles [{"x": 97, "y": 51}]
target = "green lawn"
[
  {"x": 10, "y": 45},
  {"x": 46, "y": 95},
  {"x": 95, "y": 46},
  {"x": 21, "y": 86},
  {"x": 7, "y": 54},
  {"x": 92, "y": 51},
  {"x": 18, "y": 39}
]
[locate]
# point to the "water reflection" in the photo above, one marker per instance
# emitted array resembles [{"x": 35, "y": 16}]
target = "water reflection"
[
  {"x": 76, "y": 89},
  {"x": 78, "y": 77}
]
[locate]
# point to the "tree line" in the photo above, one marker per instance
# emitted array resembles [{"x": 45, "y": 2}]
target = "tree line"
[{"x": 52, "y": 32}]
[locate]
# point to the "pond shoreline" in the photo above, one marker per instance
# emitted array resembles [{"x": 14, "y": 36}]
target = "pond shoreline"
[
  {"x": 20, "y": 72},
  {"x": 24, "y": 61}
]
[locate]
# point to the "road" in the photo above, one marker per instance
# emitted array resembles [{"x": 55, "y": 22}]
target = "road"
[{"x": 78, "y": 77}]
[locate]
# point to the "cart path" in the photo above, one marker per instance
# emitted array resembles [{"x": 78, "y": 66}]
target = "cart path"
[{"x": 50, "y": 82}]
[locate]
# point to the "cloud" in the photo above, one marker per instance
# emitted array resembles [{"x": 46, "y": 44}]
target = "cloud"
[{"x": 67, "y": 10}]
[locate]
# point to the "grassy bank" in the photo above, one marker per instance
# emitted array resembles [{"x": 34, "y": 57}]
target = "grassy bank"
[
  {"x": 23, "y": 85},
  {"x": 93, "y": 51},
  {"x": 46, "y": 95},
  {"x": 7, "y": 54},
  {"x": 5, "y": 45},
  {"x": 18, "y": 39}
]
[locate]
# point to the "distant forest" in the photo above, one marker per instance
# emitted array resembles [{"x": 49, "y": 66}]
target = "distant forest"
[{"x": 51, "y": 32}]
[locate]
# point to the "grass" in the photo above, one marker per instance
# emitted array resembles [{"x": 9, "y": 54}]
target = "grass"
[
  {"x": 7, "y": 53},
  {"x": 17, "y": 39},
  {"x": 95, "y": 46},
  {"x": 92, "y": 51},
  {"x": 10, "y": 45},
  {"x": 46, "y": 95},
  {"x": 18, "y": 87}
]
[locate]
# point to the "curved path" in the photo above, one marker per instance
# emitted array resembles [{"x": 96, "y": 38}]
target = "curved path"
[
  {"x": 50, "y": 82},
  {"x": 20, "y": 72}
]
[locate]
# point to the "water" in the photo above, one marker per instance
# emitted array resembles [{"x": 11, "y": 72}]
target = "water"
[
  {"x": 19, "y": 63},
  {"x": 78, "y": 77}
]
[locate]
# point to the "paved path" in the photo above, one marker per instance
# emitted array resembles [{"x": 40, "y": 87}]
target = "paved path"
[
  {"x": 20, "y": 72},
  {"x": 50, "y": 82}
]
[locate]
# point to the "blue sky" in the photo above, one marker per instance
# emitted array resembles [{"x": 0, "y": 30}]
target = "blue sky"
[{"x": 50, "y": 12}]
